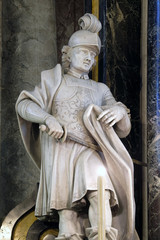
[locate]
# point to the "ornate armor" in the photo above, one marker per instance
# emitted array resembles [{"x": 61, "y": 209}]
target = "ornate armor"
[{"x": 69, "y": 107}]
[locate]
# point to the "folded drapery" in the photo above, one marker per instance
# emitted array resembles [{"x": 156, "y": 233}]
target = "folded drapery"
[{"x": 120, "y": 168}]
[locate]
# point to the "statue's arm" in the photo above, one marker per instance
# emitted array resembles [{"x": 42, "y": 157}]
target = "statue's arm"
[
  {"x": 123, "y": 126},
  {"x": 31, "y": 112},
  {"x": 115, "y": 114}
]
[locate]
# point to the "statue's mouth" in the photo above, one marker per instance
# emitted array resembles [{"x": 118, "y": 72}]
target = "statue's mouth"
[{"x": 86, "y": 63}]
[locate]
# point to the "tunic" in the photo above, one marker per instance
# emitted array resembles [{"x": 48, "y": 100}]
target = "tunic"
[{"x": 73, "y": 167}]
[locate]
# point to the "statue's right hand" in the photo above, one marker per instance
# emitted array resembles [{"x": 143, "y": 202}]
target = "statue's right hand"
[{"x": 54, "y": 128}]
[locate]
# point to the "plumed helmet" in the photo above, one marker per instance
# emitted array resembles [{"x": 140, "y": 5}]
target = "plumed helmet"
[{"x": 88, "y": 35}]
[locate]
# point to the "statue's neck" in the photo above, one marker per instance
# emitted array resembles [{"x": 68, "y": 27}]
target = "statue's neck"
[{"x": 77, "y": 74}]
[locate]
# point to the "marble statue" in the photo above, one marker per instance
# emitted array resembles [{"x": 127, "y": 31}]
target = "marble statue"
[{"x": 71, "y": 127}]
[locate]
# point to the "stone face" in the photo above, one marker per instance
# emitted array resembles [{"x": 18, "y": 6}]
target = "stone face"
[
  {"x": 154, "y": 119},
  {"x": 29, "y": 46}
]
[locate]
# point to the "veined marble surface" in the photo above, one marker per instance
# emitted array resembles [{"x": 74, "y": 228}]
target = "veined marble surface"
[
  {"x": 123, "y": 61},
  {"x": 29, "y": 46},
  {"x": 67, "y": 15},
  {"x": 154, "y": 119},
  {"x": 123, "y": 76}
]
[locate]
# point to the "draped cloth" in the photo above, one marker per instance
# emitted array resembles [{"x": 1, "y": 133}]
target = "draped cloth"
[
  {"x": 43, "y": 96},
  {"x": 120, "y": 168}
]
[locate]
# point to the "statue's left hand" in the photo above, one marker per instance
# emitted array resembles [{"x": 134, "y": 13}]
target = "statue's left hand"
[{"x": 111, "y": 116}]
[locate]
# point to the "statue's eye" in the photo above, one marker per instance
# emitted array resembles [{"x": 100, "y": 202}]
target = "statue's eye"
[
  {"x": 84, "y": 52},
  {"x": 93, "y": 54}
]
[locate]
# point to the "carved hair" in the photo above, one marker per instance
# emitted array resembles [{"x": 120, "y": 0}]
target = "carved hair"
[{"x": 66, "y": 50}]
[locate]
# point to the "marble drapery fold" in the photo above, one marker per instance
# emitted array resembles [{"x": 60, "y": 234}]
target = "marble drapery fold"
[{"x": 120, "y": 168}]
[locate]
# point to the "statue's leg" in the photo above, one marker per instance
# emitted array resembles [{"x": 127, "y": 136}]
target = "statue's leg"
[
  {"x": 92, "y": 232},
  {"x": 69, "y": 226},
  {"x": 93, "y": 209}
]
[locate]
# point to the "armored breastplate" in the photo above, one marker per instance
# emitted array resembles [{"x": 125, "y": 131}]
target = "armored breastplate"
[{"x": 70, "y": 102}]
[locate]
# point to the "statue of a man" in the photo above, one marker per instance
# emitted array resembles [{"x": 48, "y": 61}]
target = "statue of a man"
[{"x": 70, "y": 124}]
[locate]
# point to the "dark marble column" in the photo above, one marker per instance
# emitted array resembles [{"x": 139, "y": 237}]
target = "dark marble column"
[
  {"x": 123, "y": 76},
  {"x": 29, "y": 46},
  {"x": 0, "y": 68},
  {"x": 123, "y": 61},
  {"x": 154, "y": 118},
  {"x": 67, "y": 15}
]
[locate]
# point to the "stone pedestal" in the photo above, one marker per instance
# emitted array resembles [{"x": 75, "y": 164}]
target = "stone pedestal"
[{"x": 154, "y": 118}]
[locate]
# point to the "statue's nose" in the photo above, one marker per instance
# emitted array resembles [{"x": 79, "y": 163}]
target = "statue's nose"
[
  {"x": 88, "y": 57},
  {"x": 88, "y": 60}
]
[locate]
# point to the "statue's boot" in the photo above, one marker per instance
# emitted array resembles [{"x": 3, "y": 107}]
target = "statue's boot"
[
  {"x": 70, "y": 225},
  {"x": 70, "y": 237},
  {"x": 92, "y": 233}
]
